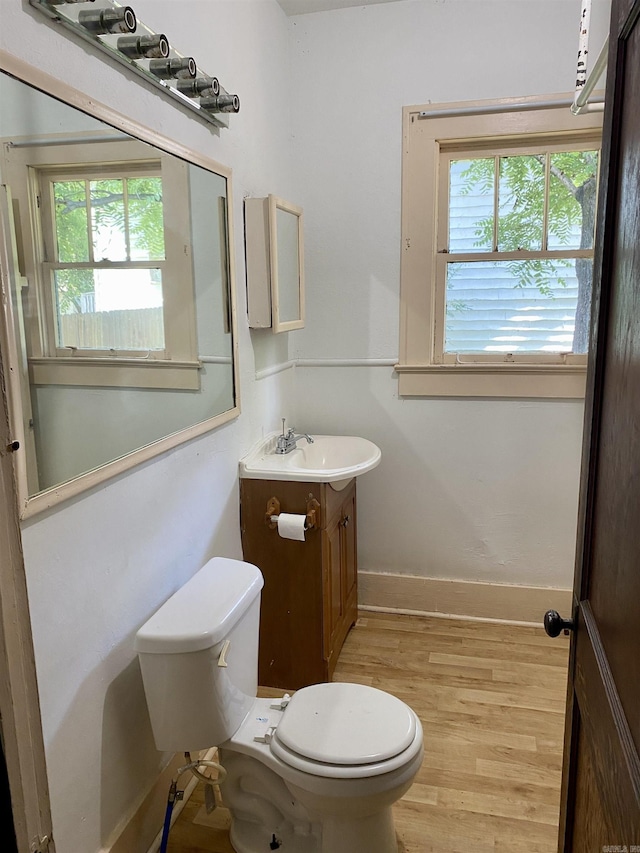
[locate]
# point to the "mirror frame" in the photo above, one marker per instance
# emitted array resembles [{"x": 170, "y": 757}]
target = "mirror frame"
[
  {"x": 276, "y": 204},
  {"x": 34, "y": 504}
]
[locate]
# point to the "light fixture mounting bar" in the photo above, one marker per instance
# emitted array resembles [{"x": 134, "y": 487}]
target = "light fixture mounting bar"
[{"x": 123, "y": 37}]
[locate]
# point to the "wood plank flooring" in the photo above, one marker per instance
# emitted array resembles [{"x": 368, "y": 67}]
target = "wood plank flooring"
[{"x": 491, "y": 700}]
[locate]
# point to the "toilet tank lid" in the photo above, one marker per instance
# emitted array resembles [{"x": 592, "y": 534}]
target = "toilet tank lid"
[{"x": 202, "y": 612}]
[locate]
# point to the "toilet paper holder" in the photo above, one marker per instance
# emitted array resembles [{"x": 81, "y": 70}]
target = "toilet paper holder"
[{"x": 313, "y": 513}]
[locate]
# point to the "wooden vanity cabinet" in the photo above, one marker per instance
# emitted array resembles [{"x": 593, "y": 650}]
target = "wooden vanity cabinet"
[{"x": 310, "y": 594}]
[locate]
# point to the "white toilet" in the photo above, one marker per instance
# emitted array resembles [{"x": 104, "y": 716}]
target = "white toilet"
[{"x": 314, "y": 773}]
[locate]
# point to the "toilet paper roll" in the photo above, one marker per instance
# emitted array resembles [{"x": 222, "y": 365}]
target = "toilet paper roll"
[{"x": 291, "y": 526}]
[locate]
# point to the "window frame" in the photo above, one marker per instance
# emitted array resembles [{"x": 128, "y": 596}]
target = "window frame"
[
  {"x": 175, "y": 367},
  {"x": 483, "y": 127}
]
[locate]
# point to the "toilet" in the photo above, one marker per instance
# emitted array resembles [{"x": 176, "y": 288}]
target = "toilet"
[{"x": 316, "y": 772}]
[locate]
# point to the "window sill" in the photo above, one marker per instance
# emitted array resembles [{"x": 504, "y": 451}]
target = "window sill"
[
  {"x": 116, "y": 373},
  {"x": 506, "y": 381}
]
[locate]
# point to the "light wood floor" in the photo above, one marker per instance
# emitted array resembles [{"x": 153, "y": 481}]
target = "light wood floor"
[{"x": 491, "y": 699}]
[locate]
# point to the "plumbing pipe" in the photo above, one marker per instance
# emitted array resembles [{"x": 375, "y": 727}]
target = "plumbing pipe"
[
  {"x": 174, "y": 794},
  {"x": 173, "y": 791},
  {"x": 203, "y": 762}
]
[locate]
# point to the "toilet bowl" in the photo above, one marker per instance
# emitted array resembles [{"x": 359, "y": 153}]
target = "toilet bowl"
[
  {"x": 316, "y": 772},
  {"x": 345, "y": 752}
]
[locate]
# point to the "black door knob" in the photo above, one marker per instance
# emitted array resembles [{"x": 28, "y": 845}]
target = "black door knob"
[{"x": 554, "y": 623}]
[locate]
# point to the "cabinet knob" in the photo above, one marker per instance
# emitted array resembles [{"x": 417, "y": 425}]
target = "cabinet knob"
[{"x": 346, "y": 520}]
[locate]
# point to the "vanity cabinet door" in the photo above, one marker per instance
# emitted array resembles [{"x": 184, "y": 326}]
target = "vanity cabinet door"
[
  {"x": 333, "y": 585},
  {"x": 349, "y": 551},
  {"x": 340, "y": 567},
  {"x": 309, "y": 599}
]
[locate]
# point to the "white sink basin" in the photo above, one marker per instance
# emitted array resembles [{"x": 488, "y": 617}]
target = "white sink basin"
[{"x": 333, "y": 459}]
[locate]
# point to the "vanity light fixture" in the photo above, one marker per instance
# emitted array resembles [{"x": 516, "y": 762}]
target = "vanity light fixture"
[{"x": 115, "y": 30}]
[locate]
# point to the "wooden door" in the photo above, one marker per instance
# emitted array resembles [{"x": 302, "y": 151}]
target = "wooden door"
[
  {"x": 600, "y": 808},
  {"x": 20, "y": 723}
]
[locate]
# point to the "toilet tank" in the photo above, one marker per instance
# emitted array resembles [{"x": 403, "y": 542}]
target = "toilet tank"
[{"x": 199, "y": 656}]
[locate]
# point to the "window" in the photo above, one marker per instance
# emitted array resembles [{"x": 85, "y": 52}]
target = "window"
[
  {"x": 497, "y": 252},
  {"x": 110, "y": 257}
]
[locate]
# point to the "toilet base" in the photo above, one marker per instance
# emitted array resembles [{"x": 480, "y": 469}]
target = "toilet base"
[
  {"x": 262, "y": 809},
  {"x": 368, "y": 835},
  {"x": 354, "y": 825},
  {"x": 251, "y": 838},
  {"x": 266, "y": 810}
]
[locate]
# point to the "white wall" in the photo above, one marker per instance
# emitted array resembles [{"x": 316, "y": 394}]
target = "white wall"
[
  {"x": 101, "y": 564},
  {"x": 467, "y": 489}
]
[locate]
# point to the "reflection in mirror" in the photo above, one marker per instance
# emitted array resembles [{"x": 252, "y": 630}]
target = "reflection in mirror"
[
  {"x": 287, "y": 265},
  {"x": 116, "y": 259}
]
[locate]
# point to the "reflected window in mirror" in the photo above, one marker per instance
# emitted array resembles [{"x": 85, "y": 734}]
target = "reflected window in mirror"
[
  {"x": 110, "y": 253},
  {"x": 118, "y": 278}
]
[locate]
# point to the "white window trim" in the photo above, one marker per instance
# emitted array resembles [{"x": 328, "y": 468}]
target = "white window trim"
[
  {"x": 423, "y": 141},
  {"x": 178, "y": 366}
]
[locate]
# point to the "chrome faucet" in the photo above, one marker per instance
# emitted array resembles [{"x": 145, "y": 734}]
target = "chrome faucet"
[{"x": 286, "y": 442}]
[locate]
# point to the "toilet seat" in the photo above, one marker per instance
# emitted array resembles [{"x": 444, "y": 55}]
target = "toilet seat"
[{"x": 346, "y": 731}]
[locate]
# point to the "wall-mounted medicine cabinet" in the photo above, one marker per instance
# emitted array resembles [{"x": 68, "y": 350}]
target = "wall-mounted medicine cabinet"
[{"x": 275, "y": 264}]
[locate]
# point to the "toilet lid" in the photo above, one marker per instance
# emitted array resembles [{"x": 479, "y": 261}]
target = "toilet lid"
[{"x": 346, "y": 724}]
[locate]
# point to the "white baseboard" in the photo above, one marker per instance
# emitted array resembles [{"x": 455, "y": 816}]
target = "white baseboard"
[{"x": 459, "y": 599}]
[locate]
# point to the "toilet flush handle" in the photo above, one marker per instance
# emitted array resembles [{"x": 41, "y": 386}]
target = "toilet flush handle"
[{"x": 222, "y": 658}]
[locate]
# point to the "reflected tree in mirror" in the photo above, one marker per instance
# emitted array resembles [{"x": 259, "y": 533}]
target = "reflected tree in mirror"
[{"x": 126, "y": 224}]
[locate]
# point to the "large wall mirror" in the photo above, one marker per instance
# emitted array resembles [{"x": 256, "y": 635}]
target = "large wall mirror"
[{"x": 117, "y": 278}]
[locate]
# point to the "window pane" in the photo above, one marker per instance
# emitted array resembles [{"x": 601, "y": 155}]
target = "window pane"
[
  {"x": 110, "y": 309},
  {"x": 517, "y": 306},
  {"x": 572, "y": 199},
  {"x": 146, "y": 226},
  {"x": 471, "y": 197},
  {"x": 108, "y": 224},
  {"x": 72, "y": 239},
  {"x": 521, "y": 203}
]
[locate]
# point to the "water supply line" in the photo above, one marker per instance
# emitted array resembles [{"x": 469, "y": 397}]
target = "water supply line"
[{"x": 175, "y": 794}]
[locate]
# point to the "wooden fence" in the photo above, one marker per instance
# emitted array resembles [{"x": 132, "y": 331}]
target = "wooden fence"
[{"x": 135, "y": 329}]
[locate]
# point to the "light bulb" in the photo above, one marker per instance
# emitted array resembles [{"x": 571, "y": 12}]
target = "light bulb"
[
  {"x": 224, "y": 103},
  {"x": 144, "y": 46},
  {"x": 202, "y": 86},
  {"x": 178, "y": 67},
  {"x": 101, "y": 21}
]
